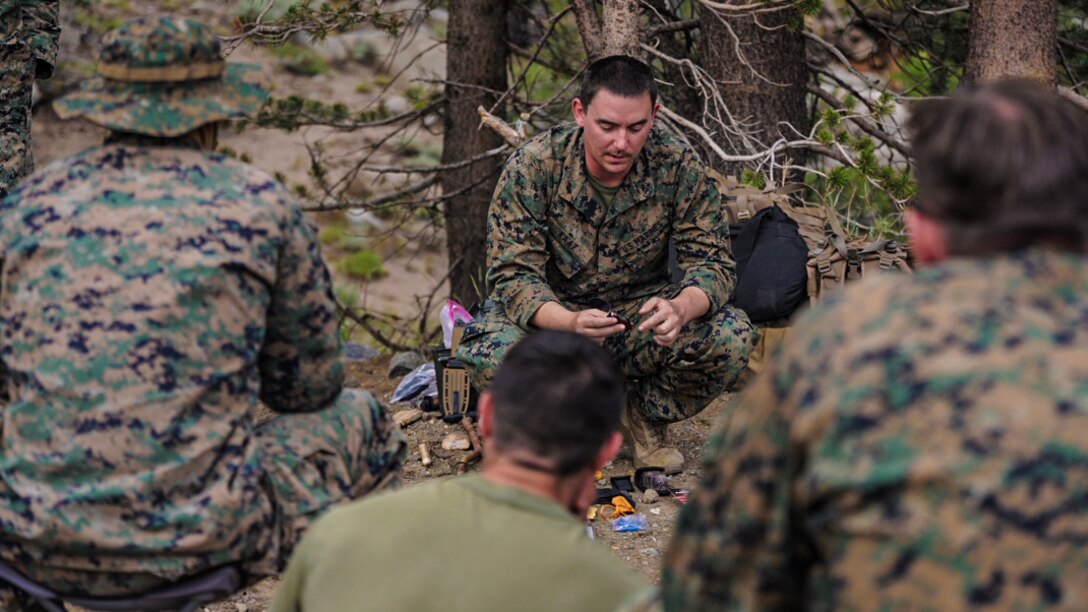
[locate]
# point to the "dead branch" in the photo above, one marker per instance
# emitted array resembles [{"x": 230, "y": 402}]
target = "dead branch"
[
  {"x": 1080, "y": 101},
  {"x": 748, "y": 9},
  {"x": 533, "y": 58},
  {"x": 365, "y": 320},
  {"x": 473, "y": 437},
  {"x": 466, "y": 460},
  {"x": 675, "y": 26},
  {"x": 513, "y": 137}
]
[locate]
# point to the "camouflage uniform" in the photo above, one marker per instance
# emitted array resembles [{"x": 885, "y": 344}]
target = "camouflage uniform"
[
  {"x": 28, "y": 49},
  {"x": 551, "y": 240},
  {"x": 153, "y": 299},
  {"x": 914, "y": 444}
]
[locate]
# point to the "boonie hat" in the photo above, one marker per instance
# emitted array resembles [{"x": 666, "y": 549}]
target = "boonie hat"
[{"x": 165, "y": 76}]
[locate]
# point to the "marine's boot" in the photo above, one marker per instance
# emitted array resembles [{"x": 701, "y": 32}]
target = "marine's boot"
[{"x": 648, "y": 441}]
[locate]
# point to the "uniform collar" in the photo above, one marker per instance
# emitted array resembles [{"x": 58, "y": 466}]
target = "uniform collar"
[{"x": 637, "y": 186}]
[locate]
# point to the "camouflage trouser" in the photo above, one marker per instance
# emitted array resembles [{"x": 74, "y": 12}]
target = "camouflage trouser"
[
  {"x": 16, "y": 86},
  {"x": 311, "y": 461},
  {"x": 673, "y": 382}
]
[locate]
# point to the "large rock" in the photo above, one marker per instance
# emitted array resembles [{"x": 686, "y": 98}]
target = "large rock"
[
  {"x": 456, "y": 440},
  {"x": 405, "y": 362},
  {"x": 353, "y": 351},
  {"x": 405, "y": 418}
]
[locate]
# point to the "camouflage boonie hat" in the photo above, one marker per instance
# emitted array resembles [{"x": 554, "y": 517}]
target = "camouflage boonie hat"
[{"x": 165, "y": 76}]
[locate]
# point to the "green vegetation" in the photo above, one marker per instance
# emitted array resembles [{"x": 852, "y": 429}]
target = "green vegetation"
[
  {"x": 363, "y": 264},
  {"x": 421, "y": 97},
  {"x": 301, "y": 59},
  {"x": 95, "y": 21},
  {"x": 347, "y": 295},
  {"x": 332, "y": 233}
]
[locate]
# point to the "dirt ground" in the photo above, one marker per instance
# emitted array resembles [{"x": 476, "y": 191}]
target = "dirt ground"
[
  {"x": 643, "y": 550},
  {"x": 415, "y": 276}
]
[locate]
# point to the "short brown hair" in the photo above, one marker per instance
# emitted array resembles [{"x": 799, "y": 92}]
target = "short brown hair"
[
  {"x": 1003, "y": 165},
  {"x": 557, "y": 396}
]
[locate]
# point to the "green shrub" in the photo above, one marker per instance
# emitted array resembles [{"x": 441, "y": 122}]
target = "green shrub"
[
  {"x": 331, "y": 234},
  {"x": 364, "y": 264},
  {"x": 302, "y": 59}
]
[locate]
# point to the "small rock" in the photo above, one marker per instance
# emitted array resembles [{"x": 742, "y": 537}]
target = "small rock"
[
  {"x": 456, "y": 440},
  {"x": 365, "y": 218},
  {"x": 649, "y": 552},
  {"x": 405, "y": 362},
  {"x": 353, "y": 351},
  {"x": 396, "y": 105},
  {"x": 655, "y": 511},
  {"x": 241, "y": 607},
  {"x": 649, "y": 496},
  {"x": 407, "y": 417},
  {"x": 335, "y": 49}
]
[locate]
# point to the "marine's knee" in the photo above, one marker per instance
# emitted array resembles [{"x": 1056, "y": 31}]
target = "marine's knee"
[
  {"x": 724, "y": 334},
  {"x": 485, "y": 344}
]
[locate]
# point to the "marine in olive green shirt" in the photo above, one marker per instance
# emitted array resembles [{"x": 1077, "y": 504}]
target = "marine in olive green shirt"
[{"x": 456, "y": 544}]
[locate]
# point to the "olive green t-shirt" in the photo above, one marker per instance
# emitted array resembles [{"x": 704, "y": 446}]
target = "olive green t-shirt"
[
  {"x": 460, "y": 544},
  {"x": 601, "y": 191}
]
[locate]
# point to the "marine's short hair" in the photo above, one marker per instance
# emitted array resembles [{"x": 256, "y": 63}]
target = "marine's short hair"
[
  {"x": 557, "y": 396},
  {"x": 620, "y": 74},
  {"x": 1003, "y": 165}
]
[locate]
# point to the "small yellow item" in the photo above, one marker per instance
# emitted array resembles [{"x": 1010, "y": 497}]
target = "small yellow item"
[
  {"x": 591, "y": 513},
  {"x": 619, "y": 507},
  {"x": 599, "y": 475}
]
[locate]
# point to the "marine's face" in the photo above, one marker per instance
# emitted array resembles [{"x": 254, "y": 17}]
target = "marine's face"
[{"x": 615, "y": 130}]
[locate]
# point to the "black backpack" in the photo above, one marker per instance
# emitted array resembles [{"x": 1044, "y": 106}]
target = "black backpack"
[{"x": 771, "y": 257}]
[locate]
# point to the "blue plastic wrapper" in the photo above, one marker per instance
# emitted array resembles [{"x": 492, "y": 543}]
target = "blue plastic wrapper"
[
  {"x": 419, "y": 381},
  {"x": 631, "y": 522}
]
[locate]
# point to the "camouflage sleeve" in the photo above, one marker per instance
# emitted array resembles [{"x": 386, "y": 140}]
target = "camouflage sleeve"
[
  {"x": 41, "y": 20},
  {"x": 733, "y": 548},
  {"x": 517, "y": 240},
  {"x": 293, "y": 581},
  {"x": 699, "y": 229},
  {"x": 300, "y": 360}
]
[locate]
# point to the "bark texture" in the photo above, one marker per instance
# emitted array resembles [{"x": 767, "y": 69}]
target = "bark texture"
[
  {"x": 616, "y": 33},
  {"x": 758, "y": 62},
  {"x": 621, "y": 31},
  {"x": 476, "y": 71},
  {"x": 589, "y": 26},
  {"x": 1012, "y": 38}
]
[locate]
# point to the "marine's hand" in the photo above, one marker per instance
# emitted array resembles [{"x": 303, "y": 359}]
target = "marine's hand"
[
  {"x": 664, "y": 318},
  {"x": 595, "y": 324}
]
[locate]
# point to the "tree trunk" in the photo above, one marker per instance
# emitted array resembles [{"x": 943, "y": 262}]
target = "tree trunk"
[
  {"x": 1012, "y": 38},
  {"x": 476, "y": 71},
  {"x": 758, "y": 62},
  {"x": 616, "y": 34},
  {"x": 589, "y": 26},
  {"x": 621, "y": 31}
]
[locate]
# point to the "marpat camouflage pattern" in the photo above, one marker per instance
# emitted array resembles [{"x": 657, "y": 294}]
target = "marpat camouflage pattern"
[
  {"x": 28, "y": 49},
  {"x": 551, "y": 240},
  {"x": 915, "y": 444},
  {"x": 153, "y": 299}
]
